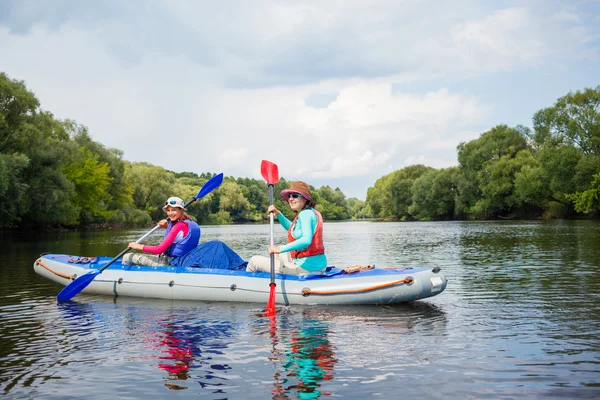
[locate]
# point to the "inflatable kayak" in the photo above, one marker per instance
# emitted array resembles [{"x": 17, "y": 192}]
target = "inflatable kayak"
[{"x": 371, "y": 285}]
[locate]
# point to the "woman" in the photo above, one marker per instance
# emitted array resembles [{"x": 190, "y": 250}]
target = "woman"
[
  {"x": 181, "y": 237},
  {"x": 304, "y": 253}
]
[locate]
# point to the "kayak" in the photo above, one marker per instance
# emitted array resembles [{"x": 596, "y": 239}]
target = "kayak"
[{"x": 372, "y": 285}]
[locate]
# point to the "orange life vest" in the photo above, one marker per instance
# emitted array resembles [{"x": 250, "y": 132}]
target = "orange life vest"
[{"x": 316, "y": 247}]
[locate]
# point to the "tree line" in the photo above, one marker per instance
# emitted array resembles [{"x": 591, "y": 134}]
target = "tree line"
[
  {"x": 550, "y": 171},
  {"x": 52, "y": 174}
]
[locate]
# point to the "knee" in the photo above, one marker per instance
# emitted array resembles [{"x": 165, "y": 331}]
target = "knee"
[{"x": 251, "y": 267}]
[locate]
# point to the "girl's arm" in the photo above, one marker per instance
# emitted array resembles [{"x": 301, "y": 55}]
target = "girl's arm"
[{"x": 179, "y": 228}]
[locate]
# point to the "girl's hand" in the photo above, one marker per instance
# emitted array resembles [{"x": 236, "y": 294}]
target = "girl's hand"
[
  {"x": 274, "y": 249},
  {"x": 163, "y": 223},
  {"x": 273, "y": 209},
  {"x": 136, "y": 246}
]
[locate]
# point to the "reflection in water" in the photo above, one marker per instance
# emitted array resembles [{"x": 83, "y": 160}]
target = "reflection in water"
[
  {"x": 180, "y": 354},
  {"x": 307, "y": 358},
  {"x": 307, "y": 343},
  {"x": 183, "y": 344},
  {"x": 520, "y": 319},
  {"x": 190, "y": 345}
]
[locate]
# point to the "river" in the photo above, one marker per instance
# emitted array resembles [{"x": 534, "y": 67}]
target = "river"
[{"x": 520, "y": 318}]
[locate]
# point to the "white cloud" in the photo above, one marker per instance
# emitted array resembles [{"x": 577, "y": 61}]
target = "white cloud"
[
  {"x": 178, "y": 87},
  {"x": 234, "y": 157}
]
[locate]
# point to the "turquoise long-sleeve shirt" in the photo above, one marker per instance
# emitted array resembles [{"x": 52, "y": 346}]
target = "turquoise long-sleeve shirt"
[{"x": 303, "y": 232}]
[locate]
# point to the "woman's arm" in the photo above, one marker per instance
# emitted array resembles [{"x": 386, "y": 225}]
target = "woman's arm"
[
  {"x": 179, "y": 228},
  {"x": 306, "y": 226},
  {"x": 286, "y": 223}
]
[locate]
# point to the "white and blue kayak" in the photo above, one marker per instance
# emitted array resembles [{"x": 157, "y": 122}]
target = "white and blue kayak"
[{"x": 369, "y": 286}]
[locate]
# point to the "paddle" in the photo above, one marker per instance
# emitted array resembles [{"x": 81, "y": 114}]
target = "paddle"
[
  {"x": 270, "y": 172},
  {"x": 73, "y": 288}
]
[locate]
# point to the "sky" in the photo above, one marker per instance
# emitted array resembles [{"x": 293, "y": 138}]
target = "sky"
[{"x": 336, "y": 93}]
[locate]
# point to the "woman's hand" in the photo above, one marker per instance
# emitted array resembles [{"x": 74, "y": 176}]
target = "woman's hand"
[
  {"x": 273, "y": 209},
  {"x": 274, "y": 249},
  {"x": 163, "y": 223},
  {"x": 136, "y": 246}
]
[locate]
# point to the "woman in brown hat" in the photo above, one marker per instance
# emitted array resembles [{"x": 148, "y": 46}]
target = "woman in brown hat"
[{"x": 304, "y": 253}]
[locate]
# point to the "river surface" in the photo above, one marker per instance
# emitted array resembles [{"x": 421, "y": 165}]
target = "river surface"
[{"x": 520, "y": 318}]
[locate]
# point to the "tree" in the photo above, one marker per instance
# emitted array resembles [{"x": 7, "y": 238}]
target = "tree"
[
  {"x": 119, "y": 190},
  {"x": 17, "y": 108},
  {"x": 152, "y": 186},
  {"x": 434, "y": 194},
  {"x": 331, "y": 203},
  {"x": 488, "y": 168},
  {"x": 234, "y": 202},
  {"x": 379, "y": 197},
  {"x": 401, "y": 185},
  {"x": 587, "y": 201},
  {"x": 574, "y": 119},
  {"x": 358, "y": 209},
  {"x": 90, "y": 178},
  {"x": 12, "y": 188}
]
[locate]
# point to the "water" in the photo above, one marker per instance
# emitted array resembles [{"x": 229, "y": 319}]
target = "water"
[{"x": 520, "y": 319}]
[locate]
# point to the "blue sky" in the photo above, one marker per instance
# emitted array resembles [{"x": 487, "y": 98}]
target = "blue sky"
[{"x": 336, "y": 93}]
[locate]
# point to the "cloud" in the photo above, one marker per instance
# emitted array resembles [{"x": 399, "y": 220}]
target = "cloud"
[
  {"x": 327, "y": 92},
  {"x": 236, "y": 156}
]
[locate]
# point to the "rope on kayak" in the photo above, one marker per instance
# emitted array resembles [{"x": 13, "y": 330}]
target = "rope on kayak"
[
  {"x": 71, "y": 277},
  {"x": 307, "y": 291}
]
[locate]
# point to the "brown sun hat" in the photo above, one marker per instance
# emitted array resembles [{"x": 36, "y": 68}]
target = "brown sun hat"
[{"x": 298, "y": 187}]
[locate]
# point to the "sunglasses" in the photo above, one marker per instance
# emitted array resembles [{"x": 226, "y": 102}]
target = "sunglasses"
[
  {"x": 172, "y": 203},
  {"x": 294, "y": 196}
]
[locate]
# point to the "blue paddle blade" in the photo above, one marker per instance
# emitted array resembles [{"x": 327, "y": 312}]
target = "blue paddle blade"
[
  {"x": 209, "y": 186},
  {"x": 76, "y": 286}
]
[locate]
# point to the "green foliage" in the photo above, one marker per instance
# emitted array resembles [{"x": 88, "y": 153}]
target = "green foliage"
[
  {"x": 531, "y": 185},
  {"x": 392, "y": 195},
  {"x": 12, "y": 189},
  {"x": 574, "y": 119},
  {"x": 434, "y": 194},
  {"x": 235, "y": 203},
  {"x": 587, "y": 201},
  {"x": 152, "y": 186},
  {"x": 490, "y": 163},
  {"x": 358, "y": 209},
  {"x": 18, "y": 107},
  {"x": 331, "y": 203},
  {"x": 129, "y": 217},
  {"x": 498, "y": 190},
  {"x": 119, "y": 190},
  {"x": 379, "y": 197},
  {"x": 90, "y": 179}
]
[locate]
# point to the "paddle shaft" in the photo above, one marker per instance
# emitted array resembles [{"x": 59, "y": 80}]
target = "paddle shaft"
[
  {"x": 270, "y": 172},
  {"x": 121, "y": 254},
  {"x": 272, "y": 223}
]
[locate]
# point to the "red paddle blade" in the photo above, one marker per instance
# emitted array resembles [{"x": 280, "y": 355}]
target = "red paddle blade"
[
  {"x": 271, "y": 304},
  {"x": 269, "y": 171}
]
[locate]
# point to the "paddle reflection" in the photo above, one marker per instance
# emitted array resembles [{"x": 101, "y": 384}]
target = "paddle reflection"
[{"x": 307, "y": 358}]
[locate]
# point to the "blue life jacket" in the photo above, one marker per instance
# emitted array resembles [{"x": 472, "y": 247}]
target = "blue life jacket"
[{"x": 188, "y": 243}]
